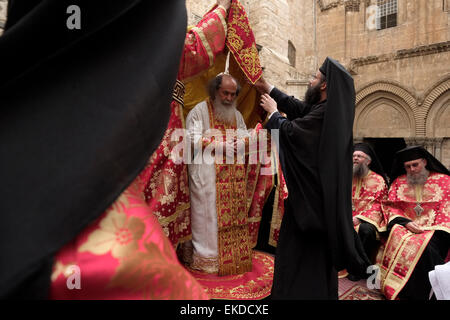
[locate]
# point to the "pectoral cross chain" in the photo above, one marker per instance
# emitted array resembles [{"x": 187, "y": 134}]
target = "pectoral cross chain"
[{"x": 418, "y": 209}]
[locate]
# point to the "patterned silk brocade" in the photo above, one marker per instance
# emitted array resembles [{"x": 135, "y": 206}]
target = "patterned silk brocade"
[
  {"x": 433, "y": 198},
  {"x": 165, "y": 184},
  {"x": 404, "y": 248},
  {"x": 367, "y": 196},
  {"x": 233, "y": 232},
  {"x": 254, "y": 285},
  {"x": 203, "y": 43},
  {"x": 128, "y": 252},
  {"x": 403, "y": 251},
  {"x": 166, "y": 191},
  {"x": 241, "y": 42},
  {"x": 124, "y": 255}
]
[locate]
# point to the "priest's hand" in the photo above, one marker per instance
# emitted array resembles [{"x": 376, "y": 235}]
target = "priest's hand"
[
  {"x": 414, "y": 227},
  {"x": 356, "y": 221},
  {"x": 268, "y": 104},
  {"x": 262, "y": 86},
  {"x": 232, "y": 146},
  {"x": 228, "y": 147},
  {"x": 224, "y": 3}
]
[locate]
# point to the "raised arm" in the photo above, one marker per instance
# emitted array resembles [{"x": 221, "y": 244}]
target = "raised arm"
[{"x": 291, "y": 106}]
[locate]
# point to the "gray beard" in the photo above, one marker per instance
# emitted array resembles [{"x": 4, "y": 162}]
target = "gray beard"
[
  {"x": 360, "y": 170},
  {"x": 418, "y": 179},
  {"x": 224, "y": 113}
]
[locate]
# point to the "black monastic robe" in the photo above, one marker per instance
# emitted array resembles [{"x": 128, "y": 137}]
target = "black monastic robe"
[
  {"x": 78, "y": 120},
  {"x": 303, "y": 266},
  {"x": 317, "y": 237}
]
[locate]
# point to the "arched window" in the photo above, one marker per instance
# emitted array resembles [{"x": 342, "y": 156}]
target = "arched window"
[{"x": 291, "y": 53}]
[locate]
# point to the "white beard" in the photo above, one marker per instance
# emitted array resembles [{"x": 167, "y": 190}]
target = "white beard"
[
  {"x": 419, "y": 178},
  {"x": 224, "y": 113}
]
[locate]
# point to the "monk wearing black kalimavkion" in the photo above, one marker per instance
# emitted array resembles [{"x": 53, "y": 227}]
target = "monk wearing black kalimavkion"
[{"x": 317, "y": 238}]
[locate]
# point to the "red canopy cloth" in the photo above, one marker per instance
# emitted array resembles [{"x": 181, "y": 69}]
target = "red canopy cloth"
[
  {"x": 254, "y": 285},
  {"x": 241, "y": 42},
  {"x": 165, "y": 183}
]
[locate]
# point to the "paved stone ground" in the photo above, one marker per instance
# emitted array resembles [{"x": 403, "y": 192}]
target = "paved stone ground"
[{"x": 350, "y": 290}]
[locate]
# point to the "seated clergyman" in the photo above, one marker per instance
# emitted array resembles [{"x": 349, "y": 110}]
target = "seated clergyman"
[
  {"x": 418, "y": 213},
  {"x": 369, "y": 189}
]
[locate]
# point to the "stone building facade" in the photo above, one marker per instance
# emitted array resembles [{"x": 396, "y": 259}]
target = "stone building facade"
[
  {"x": 397, "y": 50},
  {"x": 3, "y": 4}
]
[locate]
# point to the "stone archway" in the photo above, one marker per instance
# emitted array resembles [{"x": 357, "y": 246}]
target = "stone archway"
[
  {"x": 436, "y": 106},
  {"x": 385, "y": 110},
  {"x": 384, "y": 117}
]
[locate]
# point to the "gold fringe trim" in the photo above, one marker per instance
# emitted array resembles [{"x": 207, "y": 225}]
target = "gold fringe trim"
[
  {"x": 208, "y": 265},
  {"x": 235, "y": 254}
]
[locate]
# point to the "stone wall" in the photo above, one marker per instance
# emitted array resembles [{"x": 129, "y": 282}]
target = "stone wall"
[
  {"x": 401, "y": 73},
  {"x": 275, "y": 23},
  {"x": 3, "y": 4}
]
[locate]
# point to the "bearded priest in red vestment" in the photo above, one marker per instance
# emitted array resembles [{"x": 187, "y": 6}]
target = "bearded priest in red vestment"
[
  {"x": 418, "y": 213},
  {"x": 126, "y": 245},
  {"x": 369, "y": 189},
  {"x": 125, "y": 254},
  {"x": 164, "y": 182}
]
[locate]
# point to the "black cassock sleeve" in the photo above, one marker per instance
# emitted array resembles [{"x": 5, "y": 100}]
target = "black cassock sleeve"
[
  {"x": 293, "y": 107},
  {"x": 399, "y": 220},
  {"x": 299, "y": 141},
  {"x": 301, "y": 133}
]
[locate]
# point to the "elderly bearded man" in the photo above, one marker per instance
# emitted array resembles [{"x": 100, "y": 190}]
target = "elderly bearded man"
[
  {"x": 418, "y": 213},
  {"x": 220, "y": 239},
  {"x": 369, "y": 189}
]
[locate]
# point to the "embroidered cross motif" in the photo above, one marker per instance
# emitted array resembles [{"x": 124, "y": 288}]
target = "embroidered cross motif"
[{"x": 418, "y": 209}]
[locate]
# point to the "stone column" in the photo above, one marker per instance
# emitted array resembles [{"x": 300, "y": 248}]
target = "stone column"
[
  {"x": 270, "y": 23},
  {"x": 437, "y": 146}
]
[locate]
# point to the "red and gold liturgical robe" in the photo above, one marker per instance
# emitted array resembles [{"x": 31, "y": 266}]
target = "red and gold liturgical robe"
[
  {"x": 165, "y": 184},
  {"x": 428, "y": 206},
  {"x": 126, "y": 254},
  {"x": 367, "y": 195},
  {"x": 235, "y": 253}
]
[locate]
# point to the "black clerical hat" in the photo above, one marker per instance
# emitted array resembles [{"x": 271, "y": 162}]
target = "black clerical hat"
[
  {"x": 323, "y": 68},
  {"x": 413, "y": 153},
  {"x": 375, "y": 164}
]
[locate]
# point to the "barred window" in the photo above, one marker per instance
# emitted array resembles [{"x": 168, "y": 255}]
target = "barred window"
[{"x": 386, "y": 14}]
